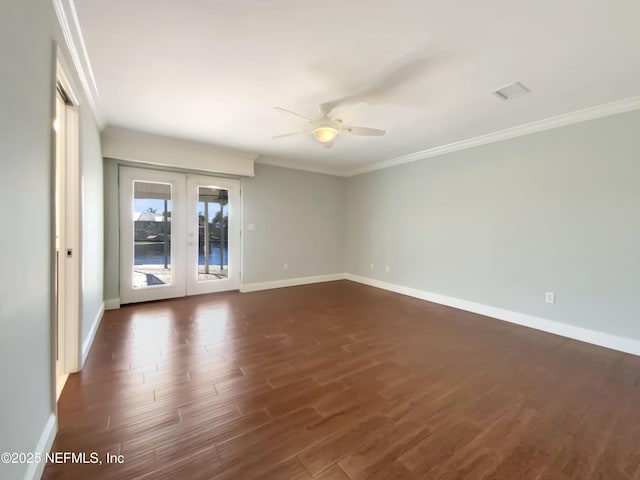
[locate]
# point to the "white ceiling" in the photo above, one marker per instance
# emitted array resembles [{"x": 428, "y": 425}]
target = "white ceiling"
[{"x": 213, "y": 70}]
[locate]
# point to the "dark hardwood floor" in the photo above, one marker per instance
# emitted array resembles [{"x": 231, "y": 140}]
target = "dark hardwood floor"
[{"x": 341, "y": 381}]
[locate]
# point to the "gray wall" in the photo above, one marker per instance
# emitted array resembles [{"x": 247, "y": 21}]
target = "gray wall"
[
  {"x": 111, "y": 231},
  {"x": 27, "y": 32},
  {"x": 92, "y": 221},
  {"x": 299, "y": 220},
  {"x": 503, "y": 223}
]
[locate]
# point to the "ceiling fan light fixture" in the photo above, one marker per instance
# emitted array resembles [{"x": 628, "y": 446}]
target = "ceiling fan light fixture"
[{"x": 325, "y": 134}]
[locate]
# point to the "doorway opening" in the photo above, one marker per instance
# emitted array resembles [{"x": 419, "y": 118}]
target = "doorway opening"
[{"x": 67, "y": 230}]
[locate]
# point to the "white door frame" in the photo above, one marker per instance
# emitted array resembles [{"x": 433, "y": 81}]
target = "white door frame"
[
  {"x": 177, "y": 288},
  {"x": 67, "y": 216},
  {"x": 232, "y": 282}
]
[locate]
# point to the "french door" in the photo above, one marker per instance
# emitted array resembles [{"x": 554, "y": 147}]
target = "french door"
[
  {"x": 213, "y": 234},
  {"x": 179, "y": 234}
]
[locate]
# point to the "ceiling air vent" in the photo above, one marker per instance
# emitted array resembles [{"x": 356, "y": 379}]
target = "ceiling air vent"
[{"x": 511, "y": 91}]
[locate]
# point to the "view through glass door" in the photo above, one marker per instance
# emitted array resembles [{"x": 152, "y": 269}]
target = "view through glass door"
[
  {"x": 214, "y": 234},
  {"x": 179, "y": 234}
]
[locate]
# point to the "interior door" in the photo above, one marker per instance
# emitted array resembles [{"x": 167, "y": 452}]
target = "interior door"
[
  {"x": 152, "y": 235},
  {"x": 213, "y": 250},
  {"x": 60, "y": 210}
]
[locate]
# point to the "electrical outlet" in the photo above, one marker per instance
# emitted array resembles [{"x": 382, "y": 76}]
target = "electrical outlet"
[
  {"x": 371, "y": 266},
  {"x": 387, "y": 268},
  {"x": 550, "y": 297},
  {"x": 285, "y": 266}
]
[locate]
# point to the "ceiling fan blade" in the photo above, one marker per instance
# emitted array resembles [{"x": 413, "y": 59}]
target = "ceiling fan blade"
[
  {"x": 328, "y": 107},
  {"x": 385, "y": 84},
  {"x": 291, "y": 134},
  {"x": 294, "y": 113},
  {"x": 370, "y": 132}
]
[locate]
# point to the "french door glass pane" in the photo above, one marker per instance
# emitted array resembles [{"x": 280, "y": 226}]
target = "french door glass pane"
[
  {"x": 152, "y": 205},
  {"x": 213, "y": 233}
]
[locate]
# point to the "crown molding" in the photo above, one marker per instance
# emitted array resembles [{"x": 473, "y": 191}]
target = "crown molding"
[
  {"x": 292, "y": 164},
  {"x": 620, "y": 106},
  {"x": 70, "y": 25}
]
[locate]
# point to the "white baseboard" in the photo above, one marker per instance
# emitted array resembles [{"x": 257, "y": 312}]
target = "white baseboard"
[
  {"x": 112, "y": 304},
  {"x": 48, "y": 435},
  {"x": 594, "y": 337},
  {"x": 86, "y": 345},
  {"x": 290, "y": 282}
]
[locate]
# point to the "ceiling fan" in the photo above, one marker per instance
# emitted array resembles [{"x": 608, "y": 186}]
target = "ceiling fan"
[{"x": 326, "y": 129}]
